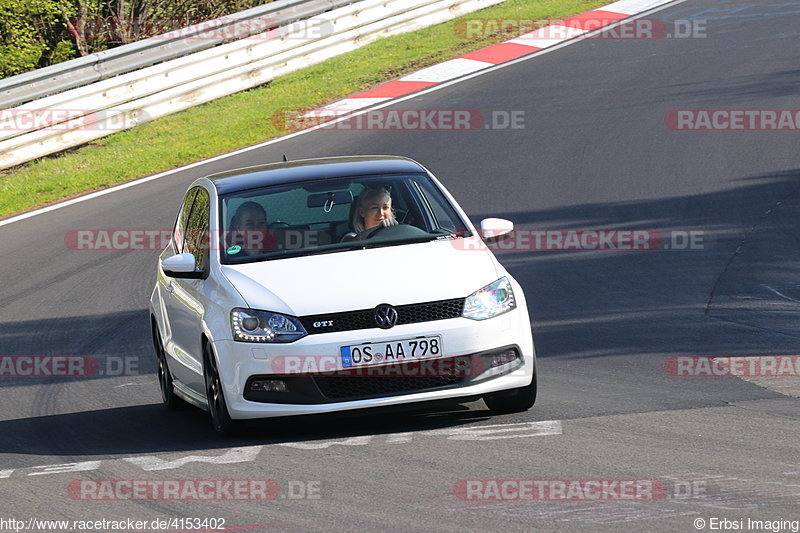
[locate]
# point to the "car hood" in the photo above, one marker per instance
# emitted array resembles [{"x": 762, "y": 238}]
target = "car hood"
[{"x": 362, "y": 279}]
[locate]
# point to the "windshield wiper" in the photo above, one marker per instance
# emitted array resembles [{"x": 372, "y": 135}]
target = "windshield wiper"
[
  {"x": 380, "y": 243},
  {"x": 342, "y": 247}
]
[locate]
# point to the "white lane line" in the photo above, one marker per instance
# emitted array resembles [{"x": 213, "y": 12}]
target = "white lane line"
[
  {"x": 660, "y": 5},
  {"x": 352, "y": 441},
  {"x": 248, "y": 454},
  {"x": 776, "y": 291},
  {"x": 243, "y": 454},
  {"x": 501, "y": 431}
]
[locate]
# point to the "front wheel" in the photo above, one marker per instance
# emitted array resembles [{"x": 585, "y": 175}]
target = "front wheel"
[
  {"x": 220, "y": 418},
  {"x": 514, "y": 400}
]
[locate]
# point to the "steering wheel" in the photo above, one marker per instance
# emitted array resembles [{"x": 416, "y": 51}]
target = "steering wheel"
[
  {"x": 350, "y": 236},
  {"x": 377, "y": 230}
]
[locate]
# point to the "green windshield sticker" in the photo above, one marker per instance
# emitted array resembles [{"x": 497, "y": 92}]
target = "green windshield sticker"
[{"x": 235, "y": 249}]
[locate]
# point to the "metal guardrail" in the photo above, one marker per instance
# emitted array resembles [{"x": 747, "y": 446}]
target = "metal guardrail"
[
  {"x": 104, "y": 107},
  {"x": 17, "y": 90}
]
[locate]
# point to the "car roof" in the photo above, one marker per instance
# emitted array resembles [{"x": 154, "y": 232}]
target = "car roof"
[{"x": 243, "y": 179}]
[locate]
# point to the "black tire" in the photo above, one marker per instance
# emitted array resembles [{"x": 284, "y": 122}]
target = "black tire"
[
  {"x": 514, "y": 400},
  {"x": 221, "y": 420},
  {"x": 169, "y": 399}
]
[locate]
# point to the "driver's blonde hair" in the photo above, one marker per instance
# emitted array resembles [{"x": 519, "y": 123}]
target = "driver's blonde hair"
[{"x": 369, "y": 195}]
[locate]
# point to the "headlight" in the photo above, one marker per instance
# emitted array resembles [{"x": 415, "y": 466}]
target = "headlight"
[
  {"x": 250, "y": 325},
  {"x": 492, "y": 300}
]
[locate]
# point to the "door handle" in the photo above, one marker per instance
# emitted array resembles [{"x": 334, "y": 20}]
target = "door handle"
[{"x": 169, "y": 287}]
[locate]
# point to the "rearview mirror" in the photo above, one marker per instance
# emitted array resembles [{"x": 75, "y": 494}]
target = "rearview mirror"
[
  {"x": 494, "y": 229},
  {"x": 329, "y": 199},
  {"x": 182, "y": 266}
]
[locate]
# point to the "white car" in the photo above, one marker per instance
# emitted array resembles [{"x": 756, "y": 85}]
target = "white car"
[{"x": 335, "y": 284}]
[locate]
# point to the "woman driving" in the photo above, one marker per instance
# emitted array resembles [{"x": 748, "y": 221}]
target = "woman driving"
[{"x": 374, "y": 209}]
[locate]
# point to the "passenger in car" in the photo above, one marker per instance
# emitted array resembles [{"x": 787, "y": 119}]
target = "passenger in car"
[
  {"x": 250, "y": 231},
  {"x": 374, "y": 208}
]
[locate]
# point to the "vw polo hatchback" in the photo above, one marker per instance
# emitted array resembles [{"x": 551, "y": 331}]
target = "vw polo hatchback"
[{"x": 335, "y": 284}]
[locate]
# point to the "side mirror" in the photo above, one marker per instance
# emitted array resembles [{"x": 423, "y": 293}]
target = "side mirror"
[
  {"x": 181, "y": 266},
  {"x": 494, "y": 229}
]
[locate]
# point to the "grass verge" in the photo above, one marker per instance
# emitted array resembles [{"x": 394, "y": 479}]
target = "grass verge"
[{"x": 245, "y": 118}]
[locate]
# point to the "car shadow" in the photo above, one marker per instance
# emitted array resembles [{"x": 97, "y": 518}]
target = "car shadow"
[{"x": 151, "y": 429}]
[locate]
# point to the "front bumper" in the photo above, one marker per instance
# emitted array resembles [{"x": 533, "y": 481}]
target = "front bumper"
[{"x": 241, "y": 363}]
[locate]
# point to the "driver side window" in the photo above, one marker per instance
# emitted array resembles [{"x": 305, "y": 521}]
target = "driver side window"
[
  {"x": 178, "y": 235},
  {"x": 197, "y": 229}
]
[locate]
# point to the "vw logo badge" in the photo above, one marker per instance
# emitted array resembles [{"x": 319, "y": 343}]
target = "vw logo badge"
[{"x": 385, "y": 316}]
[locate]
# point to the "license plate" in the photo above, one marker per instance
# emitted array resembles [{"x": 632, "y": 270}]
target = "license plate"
[{"x": 387, "y": 352}]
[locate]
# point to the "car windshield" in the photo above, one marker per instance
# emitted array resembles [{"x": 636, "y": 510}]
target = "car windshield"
[{"x": 334, "y": 215}]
